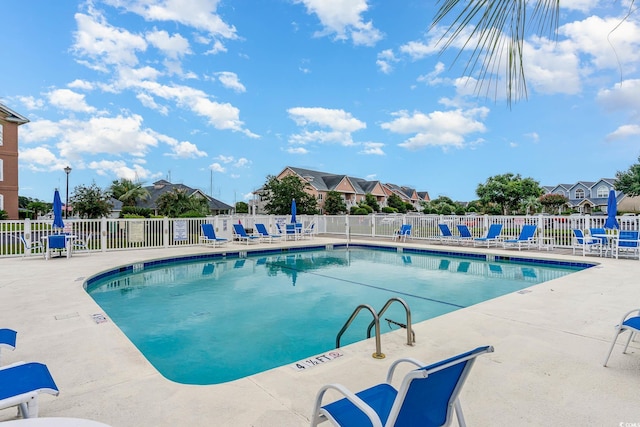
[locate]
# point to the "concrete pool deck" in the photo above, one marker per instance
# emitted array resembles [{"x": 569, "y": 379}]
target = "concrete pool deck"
[{"x": 550, "y": 342}]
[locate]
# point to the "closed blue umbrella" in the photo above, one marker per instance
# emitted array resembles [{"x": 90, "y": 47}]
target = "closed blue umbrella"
[
  {"x": 57, "y": 211},
  {"x": 293, "y": 212},
  {"x": 612, "y": 210}
]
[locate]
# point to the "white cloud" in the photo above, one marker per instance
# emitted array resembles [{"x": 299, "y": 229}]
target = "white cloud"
[
  {"x": 67, "y": 99},
  {"x": 225, "y": 159},
  {"x": 180, "y": 149},
  {"x": 339, "y": 122},
  {"x": 623, "y": 96},
  {"x": 385, "y": 60},
  {"x": 81, "y": 84},
  {"x": 297, "y": 150},
  {"x": 173, "y": 46},
  {"x": 31, "y": 103},
  {"x": 242, "y": 162},
  {"x": 343, "y": 18},
  {"x": 217, "y": 167},
  {"x": 418, "y": 49},
  {"x": 373, "y": 148},
  {"x": 581, "y": 5},
  {"x": 230, "y": 80},
  {"x": 40, "y": 159},
  {"x": 439, "y": 128},
  {"x": 149, "y": 102},
  {"x": 105, "y": 44},
  {"x": 120, "y": 169},
  {"x": 624, "y": 132},
  {"x": 199, "y": 14}
]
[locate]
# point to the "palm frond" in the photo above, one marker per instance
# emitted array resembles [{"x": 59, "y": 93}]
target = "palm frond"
[{"x": 498, "y": 29}]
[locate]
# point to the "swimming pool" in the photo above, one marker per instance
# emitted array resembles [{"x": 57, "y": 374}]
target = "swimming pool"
[{"x": 213, "y": 319}]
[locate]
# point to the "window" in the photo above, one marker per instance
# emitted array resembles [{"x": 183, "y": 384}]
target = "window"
[
  {"x": 603, "y": 192},
  {"x": 319, "y": 196},
  {"x": 580, "y": 193},
  {"x": 1, "y": 170},
  {"x": 1, "y": 127},
  {"x": 1, "y": 202}
]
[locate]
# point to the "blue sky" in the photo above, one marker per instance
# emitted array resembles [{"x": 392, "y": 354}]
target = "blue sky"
[{"x": 187, "y": 91}]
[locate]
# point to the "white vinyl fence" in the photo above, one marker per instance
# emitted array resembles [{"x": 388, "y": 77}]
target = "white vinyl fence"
[{"x": 127, "y": 234}]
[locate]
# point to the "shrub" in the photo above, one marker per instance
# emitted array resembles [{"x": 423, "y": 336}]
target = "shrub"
[
  {"x": 389, "y": 209},
  {"x": 359, "y": 211},
  {"x": 135, "y": 210}
]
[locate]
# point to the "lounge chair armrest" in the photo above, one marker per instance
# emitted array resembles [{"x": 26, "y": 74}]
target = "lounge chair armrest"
[
  {"x": 349, "y": 395},
  {"x": 393, "y": 366},
  {"x": 624, "y": 317}
]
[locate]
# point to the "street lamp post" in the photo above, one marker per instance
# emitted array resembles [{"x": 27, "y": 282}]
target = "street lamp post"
[{"x": 67, "y": 170}]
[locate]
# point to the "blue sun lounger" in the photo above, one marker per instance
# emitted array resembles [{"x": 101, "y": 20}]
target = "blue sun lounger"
[
  {"x": 428, "y": 396},
  {"x": 208, "y": 236},
  {"x": 526, "y": 237},
  {"x": 465, "y": 234},
  {"x": 445, "y": 234},
  {"x": 492, "y": 237},
  {"x": 242, "y": 235},
  {"x": 20, "y": 385},
  {"x": 7, "y": 340},
  {"x": 264, "y": 234}
]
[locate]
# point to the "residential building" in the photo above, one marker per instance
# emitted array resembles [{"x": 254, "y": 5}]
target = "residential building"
[
  {"x": 353, "y": 189},
  {"x": 160, "y": 187},
  {"x": 591, "y": 196},
  {"x": 9, "y": 122}
]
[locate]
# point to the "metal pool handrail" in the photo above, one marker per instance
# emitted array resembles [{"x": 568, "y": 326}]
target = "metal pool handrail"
[
  {"x": 376, "y": 320},
  {"x": 411, "y": 336}
]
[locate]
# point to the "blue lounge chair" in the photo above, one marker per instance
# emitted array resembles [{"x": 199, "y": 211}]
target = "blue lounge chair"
[
  {"x": 427, "y": 396},
  {"x": 629, "y": 322},
  {"x": 264, "y": 234},
  {"x": 309, "y": 231},
  {"x": 20, "y": 385},
  {"x": 208, "y": 236},
  {"x": 7, "y": 340},
  {"x": 32, "y": 248},
  {"x": 587, "y": 243},
  {"x": 465, "y": 234},
  {"x": 492, "y": 237},
  {"x": 405, "y": 230},
  {"x": 242, "y": 235},
  {"x": 526, "y": 237},
  {"x": 628, "y": 242},
  {"x": 445, "y": 234}
]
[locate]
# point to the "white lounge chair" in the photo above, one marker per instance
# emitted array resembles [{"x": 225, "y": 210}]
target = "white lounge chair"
[
  {"x": 31, "y": 248},
  {"x": 628, "y": 323},
  {"x": 428, "y": 396},
  {"x": 20, "y": 384}
]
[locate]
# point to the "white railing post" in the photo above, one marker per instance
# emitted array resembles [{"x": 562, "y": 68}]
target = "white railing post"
[
  {"x": 165, "y": 232},
  {"x": 28, "y": 236},
  {"x": 104, "y": 233}
]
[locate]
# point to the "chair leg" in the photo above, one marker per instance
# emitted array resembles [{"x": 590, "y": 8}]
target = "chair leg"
[
  {"x": 613, "y": 343},
  {"x": 459, "y": 415},
  {"x": 631, "y": 334}
]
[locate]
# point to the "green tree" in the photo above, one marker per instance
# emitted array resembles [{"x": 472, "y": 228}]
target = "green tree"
[
  {"x": 334, "y": 203},
  {"x": 553, "y": 202},
  {"x": 371, "y": 200},
  {"x": 508, "y": 191},
  {"x": 178, "y": 203},
  {"x": 39, "y": 207},
  {"x": 128, "y": 192},
  {"x": 498, "y": 30},
  {"x": 242, "y": 207},
  {"x": 531, "y": 205},
  {"x": 394, "y": 201},
  {"x": 280, "y": 192},
  {"x": 629, "y": 181},
  {"x": 90, "y": 202}
]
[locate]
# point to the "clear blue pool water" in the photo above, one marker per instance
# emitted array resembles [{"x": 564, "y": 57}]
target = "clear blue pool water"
[{"x": 207, "y": 322}]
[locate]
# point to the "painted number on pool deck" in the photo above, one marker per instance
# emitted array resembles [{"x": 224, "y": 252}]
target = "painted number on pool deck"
[{"x": 316, "y": 360}]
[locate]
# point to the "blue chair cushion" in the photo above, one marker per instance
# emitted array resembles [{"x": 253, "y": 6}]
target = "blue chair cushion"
[
  {"x": 380, "y": 398},
  {"x": 633, "y": 322},
  {"x": 57, "y": 242}
]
